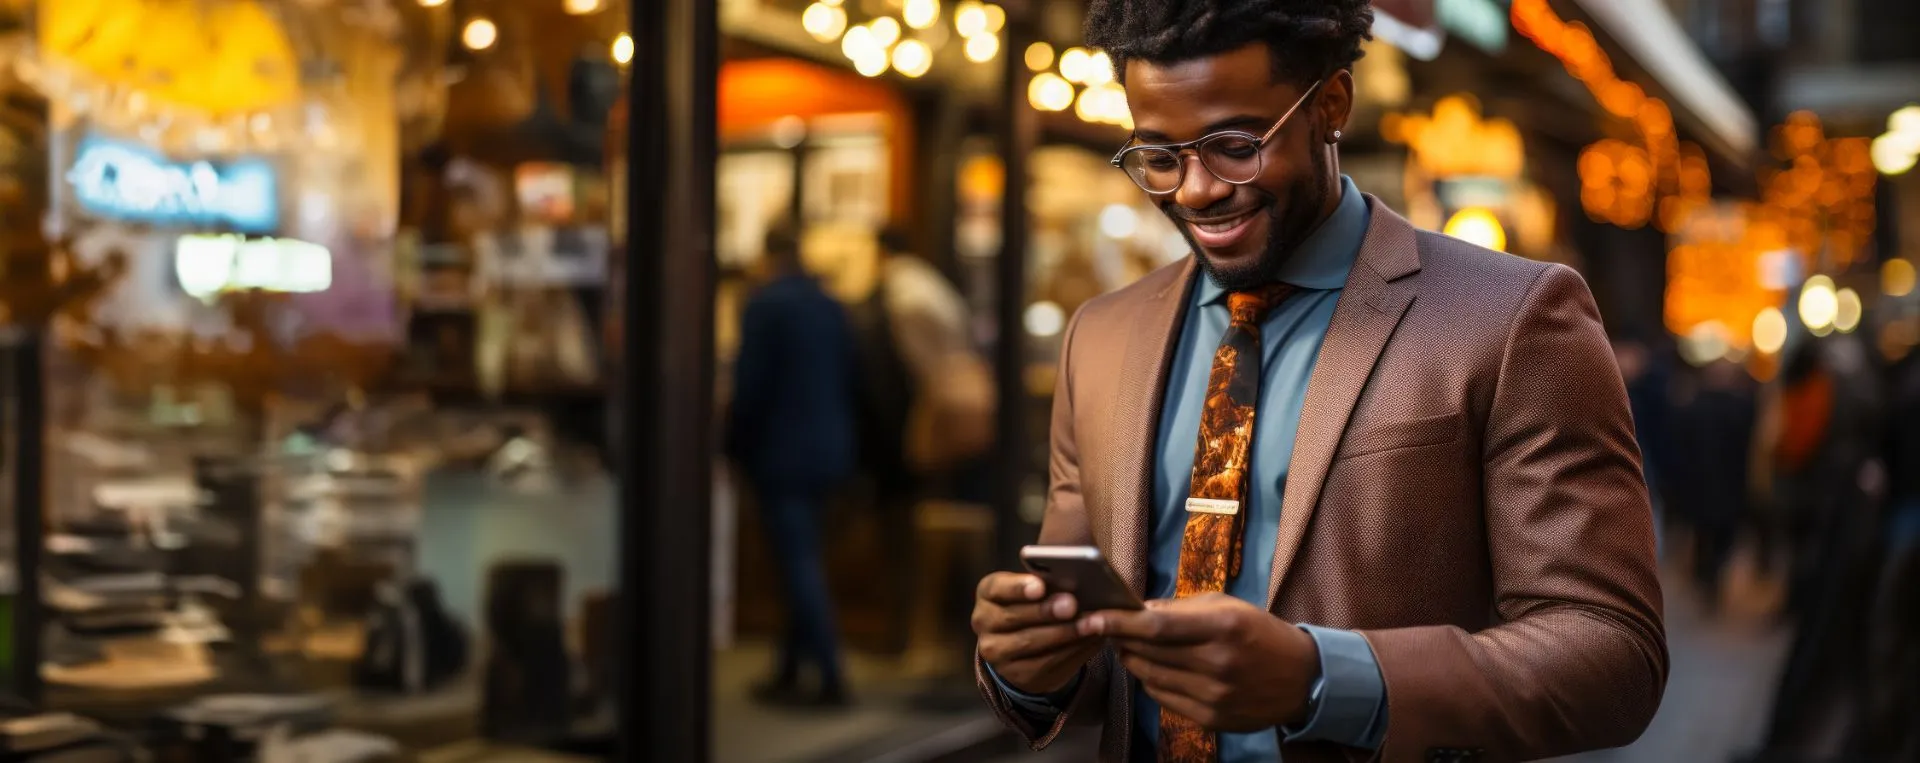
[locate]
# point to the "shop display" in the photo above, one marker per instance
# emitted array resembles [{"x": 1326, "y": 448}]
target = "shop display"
[{"x": 412, "y": 644}]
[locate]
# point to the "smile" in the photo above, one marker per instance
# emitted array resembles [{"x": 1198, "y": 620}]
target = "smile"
[{"x": 1224, "y": 233}]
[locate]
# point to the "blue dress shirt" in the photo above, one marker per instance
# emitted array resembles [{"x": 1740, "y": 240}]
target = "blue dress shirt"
[{"x": 1350, "y": 697}]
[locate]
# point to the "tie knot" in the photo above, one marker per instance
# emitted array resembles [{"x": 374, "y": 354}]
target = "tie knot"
[{"x": 1252, "y": 305}]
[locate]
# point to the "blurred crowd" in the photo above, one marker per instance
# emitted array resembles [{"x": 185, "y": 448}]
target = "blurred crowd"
[{"x": 1817, "y": 473}]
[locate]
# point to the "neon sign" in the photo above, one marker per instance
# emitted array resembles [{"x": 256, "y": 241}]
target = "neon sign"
[
  {"x": 126, "y": 181},
  {"x": 209, "y": 265}
]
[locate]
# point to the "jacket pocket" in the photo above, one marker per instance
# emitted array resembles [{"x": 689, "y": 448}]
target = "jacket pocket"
[{"x": 1396, "y": 435}]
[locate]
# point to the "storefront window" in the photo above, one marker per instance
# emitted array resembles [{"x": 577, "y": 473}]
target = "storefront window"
[{"x": 326, "y": 450}]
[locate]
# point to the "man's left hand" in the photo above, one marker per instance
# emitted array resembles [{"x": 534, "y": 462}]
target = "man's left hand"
[{"x": 1219, "y": 661}]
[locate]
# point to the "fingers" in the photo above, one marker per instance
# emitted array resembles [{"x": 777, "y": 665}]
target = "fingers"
[
  {"x": 1181, "y": 657},
  {"x": 1030, "y": 643},
  {"x": 1011, "y": 588},
  {"x": 1162, "y": 625},
  {"x": 990, "y": 617},
  {"x": 1184, "y": 694}
]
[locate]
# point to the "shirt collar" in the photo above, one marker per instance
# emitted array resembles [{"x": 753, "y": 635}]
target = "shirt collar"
[{"x": 1325, "y": 257}]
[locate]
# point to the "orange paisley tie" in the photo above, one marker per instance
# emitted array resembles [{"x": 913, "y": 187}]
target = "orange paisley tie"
[{"x": 1216, "y": 517}]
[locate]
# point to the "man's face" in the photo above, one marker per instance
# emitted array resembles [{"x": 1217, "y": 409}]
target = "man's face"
[{"x": 1242, "y": 233}]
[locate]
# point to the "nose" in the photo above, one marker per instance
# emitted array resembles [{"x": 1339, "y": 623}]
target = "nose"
[{"x": 1199, "y": 189}]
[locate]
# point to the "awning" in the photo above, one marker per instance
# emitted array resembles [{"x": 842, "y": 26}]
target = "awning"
[{"x": 1648, "y": 31}]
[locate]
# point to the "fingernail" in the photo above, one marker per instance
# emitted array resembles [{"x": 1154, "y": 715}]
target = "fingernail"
[
  {"x": 1093, "y": 625},
  {"x": 1062, "y": 607},
  {"x": 1035, "y": 588}
]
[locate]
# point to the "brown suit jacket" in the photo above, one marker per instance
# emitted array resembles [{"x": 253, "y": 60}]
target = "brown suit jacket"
[{"x": 1465, "y": 492}]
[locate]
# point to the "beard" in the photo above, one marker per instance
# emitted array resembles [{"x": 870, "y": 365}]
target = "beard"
[{"x": 1286, "y": 229}]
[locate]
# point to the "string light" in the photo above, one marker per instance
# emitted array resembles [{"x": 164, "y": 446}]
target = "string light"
[
  {"x": 825, "y": 22},
  {"x": 1073, "y": 64},
  {"x": 921, "y": 14},
  {"x": 479, "y": 34},
  {"x": 982, "y": 48},
  {"x": 1477, "y": 225},
  {"x": 912, "y": 58},
  {"x": 1847, "y": 311},
  {"x": 1049, "y": 92},
  {"x": 623, "y": 49},
  {"x": 970, "y": 18},
  {"x": 886, "y": 31},
  {"x": 1039, "y": 56},
  {"x": 1769, "y": 330}
]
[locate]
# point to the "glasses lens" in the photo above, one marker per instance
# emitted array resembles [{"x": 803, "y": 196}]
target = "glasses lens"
[
  {"x": 1233, "y": 158},
  {"x": 1154, "y": 169}
]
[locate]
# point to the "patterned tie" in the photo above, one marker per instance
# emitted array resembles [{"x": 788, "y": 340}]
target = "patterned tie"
[{"x": 1210, "y": 550}]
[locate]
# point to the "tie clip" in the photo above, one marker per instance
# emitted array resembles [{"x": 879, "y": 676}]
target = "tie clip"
[{"x": 1213, "y": 506}]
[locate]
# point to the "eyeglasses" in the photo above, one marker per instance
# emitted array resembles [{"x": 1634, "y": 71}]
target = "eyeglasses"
[{"x": 1234, "y": 156}]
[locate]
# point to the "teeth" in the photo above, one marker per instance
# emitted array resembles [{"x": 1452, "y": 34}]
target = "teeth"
[{"x": 1221, "y": 227}]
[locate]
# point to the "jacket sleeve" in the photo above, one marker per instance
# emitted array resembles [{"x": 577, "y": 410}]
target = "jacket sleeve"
[
  {"x": 1578, "y": 659},
  {"x": 1065, "y": 523}
]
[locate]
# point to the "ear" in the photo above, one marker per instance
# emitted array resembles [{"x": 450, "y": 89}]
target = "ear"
[{"x": 1335, "y": 102}]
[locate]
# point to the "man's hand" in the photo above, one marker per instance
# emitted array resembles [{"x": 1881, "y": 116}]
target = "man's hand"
[
  {"x": 1029, "y": 638},
  {"x": 1219, "y": 661}
]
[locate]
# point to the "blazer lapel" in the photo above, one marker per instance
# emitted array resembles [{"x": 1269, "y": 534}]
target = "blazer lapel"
[
  {"x": 1154, "y": 333},
  {"x": 1370, "y": 307}
]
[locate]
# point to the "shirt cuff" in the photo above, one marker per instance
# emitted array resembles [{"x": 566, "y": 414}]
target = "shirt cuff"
[
  {"x": 1351, "y": 705},
  {"x": 1037, "y": 706}
]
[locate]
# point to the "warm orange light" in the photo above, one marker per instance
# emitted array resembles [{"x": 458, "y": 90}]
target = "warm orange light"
[
  {"x": 1454, "y": 140},
  {"x": 1574, "y": 45}
]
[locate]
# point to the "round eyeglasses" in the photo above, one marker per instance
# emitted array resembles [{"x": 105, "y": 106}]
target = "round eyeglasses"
[{"x": 1233, "y": 156}]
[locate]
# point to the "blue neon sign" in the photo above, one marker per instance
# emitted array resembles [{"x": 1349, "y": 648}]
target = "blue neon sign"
[{"x": 128, "y": 181}]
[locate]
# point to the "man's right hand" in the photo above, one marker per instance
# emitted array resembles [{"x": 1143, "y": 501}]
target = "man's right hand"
[{"x": 1029, "y": 638}]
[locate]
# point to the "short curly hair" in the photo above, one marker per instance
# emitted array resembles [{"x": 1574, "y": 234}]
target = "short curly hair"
[{"x": 1310, "y": 39}]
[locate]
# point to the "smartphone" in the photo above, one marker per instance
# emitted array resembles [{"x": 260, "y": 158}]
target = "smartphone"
[{"x": 1082, "y": 571}]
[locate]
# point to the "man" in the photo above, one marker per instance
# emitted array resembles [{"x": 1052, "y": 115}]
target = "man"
[
  {"x": 792, "y": 433},
  {"x": 1380, "y": 485}
]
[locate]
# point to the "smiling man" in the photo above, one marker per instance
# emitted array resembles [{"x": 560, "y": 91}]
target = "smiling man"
[{"x": 1379, "y": 486}]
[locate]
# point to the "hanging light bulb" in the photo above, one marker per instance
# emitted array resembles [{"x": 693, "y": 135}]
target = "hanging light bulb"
[
  {"x": 1039, "y": 56},
  {"x": 824, "y": 21},
  {"x": 886, "y": 31},
  {"x": 982, "y": 48},
  {"x": 912, "y": 58},
  {"x": 920, "y": 14},
  {"x": 479, "y": 34},
  {"x": 1087, "y": 106},
  {"x": 1073, "y": 64},
  {"x": 859, "y": 43},
  {"x": 970, "y": 18},
  {"x": 623, "y": 49},
  {"x": 580, "y": 7},
  {"x": 1048, "y": 92},
  {"x": 1098, "y": 69},
  {"x": 871, "y": 65}
]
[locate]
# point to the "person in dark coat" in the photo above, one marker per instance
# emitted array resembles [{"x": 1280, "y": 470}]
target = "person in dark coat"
[
  {"x": 792, "y": 433},
  {"x": 1712, "y": 440}
]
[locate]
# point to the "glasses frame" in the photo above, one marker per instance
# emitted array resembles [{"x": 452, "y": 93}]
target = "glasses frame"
[{"x": 1179, "y": 150}]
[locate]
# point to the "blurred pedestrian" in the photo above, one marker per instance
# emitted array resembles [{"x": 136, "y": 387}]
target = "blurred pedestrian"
[
  {"x": 1646, "y": 375},
  {"x": 1333, "y": 453},
  {"x": 1712, "y": 440},
  {"x": 1829, "y": 475},
  {"x": 791, "y": 431}
]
